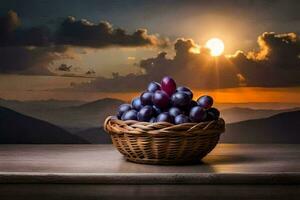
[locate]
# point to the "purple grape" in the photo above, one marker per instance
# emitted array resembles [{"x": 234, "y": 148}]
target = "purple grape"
[
  {"x": 152, "y": 120},
  {"x": 161, "y": 99},
  {"x": 157, "y": 110},
  {"x": 186, "y": 90},
  {"x": 168, "y": 85},
  {"x": 205, "y": 101},
  {"x": 212, "y": 114},
  {"x": 146, "y": 98},
  {"x": 187, "y": 109},
  {"x": 153, "y": 86},
  {"x": 193, "y": 103},
  {"x": 129, "y": 115},
  {"x": 145, "y": 114},
  {"x": 136, "y": 104},
  {"x": 180, "y": 119},
  {"x": 122, "y": 109},
  {"x": 174, "y": 111},
  {"x": 197, "y": 114},
  {"x": 180, "y": 99},
  {"x": 164, "y": 117}
]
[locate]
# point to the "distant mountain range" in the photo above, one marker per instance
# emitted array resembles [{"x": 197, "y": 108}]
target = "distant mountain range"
[
  {"x": 84, "y": 120},
  {"x": 236, "y": 114},
  {"x": 86, "y": 115},
  {"x": 280, "y": 128},
  {"x": 67, "y": 114},
  {"x": 83, "y": 115},
  {"x": 16, "y": 128},
  {"x": 38, "y": 104}
]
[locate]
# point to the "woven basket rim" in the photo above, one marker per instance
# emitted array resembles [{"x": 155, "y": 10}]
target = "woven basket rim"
[{"x": 112, "y": 125}]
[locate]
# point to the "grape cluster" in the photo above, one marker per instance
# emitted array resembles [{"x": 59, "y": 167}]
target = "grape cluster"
[{"x": 165, "y": 102}]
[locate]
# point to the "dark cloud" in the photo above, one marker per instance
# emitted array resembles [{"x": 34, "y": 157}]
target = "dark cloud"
[
  {"x": 32, "y": 50},
  {"x": 30, "y": 60},
  {"x": 9, "y": 23},
  {"x": 281, "y": 50},
  {"x": 64, "y": 67},
  {"x": 90, "y": 72},
  {"x": 12, "y": 34},
  {"x": 85, "y": 33},
  {"x": 27, "y": 50},
  {"x": 275, "y": 64},
  {"x": 73, "y": 32}
]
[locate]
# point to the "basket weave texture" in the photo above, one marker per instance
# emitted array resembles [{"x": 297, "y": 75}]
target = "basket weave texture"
[{"x": 162, "y": 142}]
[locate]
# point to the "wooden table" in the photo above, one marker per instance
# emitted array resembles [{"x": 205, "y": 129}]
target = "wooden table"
[{"x": 100, "y": 172}]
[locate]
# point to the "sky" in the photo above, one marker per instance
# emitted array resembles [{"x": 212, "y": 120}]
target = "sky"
[{"x": 66, "y": 49}]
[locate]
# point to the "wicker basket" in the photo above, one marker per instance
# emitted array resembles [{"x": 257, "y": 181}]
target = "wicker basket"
[{"x": 162, "y": 142}]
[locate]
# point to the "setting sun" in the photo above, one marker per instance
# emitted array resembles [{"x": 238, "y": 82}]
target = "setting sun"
[{"x": 216, "y": 46}]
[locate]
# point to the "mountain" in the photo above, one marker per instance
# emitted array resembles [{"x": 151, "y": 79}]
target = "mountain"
[
  {"x": 82, "y": 115},
  {"x": 236, "y": 114},
  {"x": 85, "y": 119},
  {"x": 280, "y": 128},
  {"x": 85, "y": 116},
  {"x": 99, "y": 104},
  {"x": 27, "y": 106},
  {"x": 94, "y": 135},
  {"x": 69, "y": 114},
  {"x": 16, "y": 128}
]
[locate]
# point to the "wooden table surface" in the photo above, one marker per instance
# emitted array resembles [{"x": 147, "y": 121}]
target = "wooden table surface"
[
  {"x": 228, "y": 163},
  {"x": 99, "y": 172}
]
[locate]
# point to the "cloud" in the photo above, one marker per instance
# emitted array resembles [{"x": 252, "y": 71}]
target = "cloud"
[
  {"x": 85, "y": 33},
  {"x": 12, "y": 34},
  {"x": 33, "y": 50},
  {"x": 73, "y": 32},
  {"x": 90, "y": 72},
  {"x": 30, "y": 60},
  {"x": 27, "y": 50},
  {"x": 275, "y": 64},
  {"x": 9, "y": 22},
  {"x": 64, "y": 67},
  {"x": 274, "y": 47}
]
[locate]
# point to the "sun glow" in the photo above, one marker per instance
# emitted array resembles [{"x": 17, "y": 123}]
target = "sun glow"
[{"x": 216, "y": 46}]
